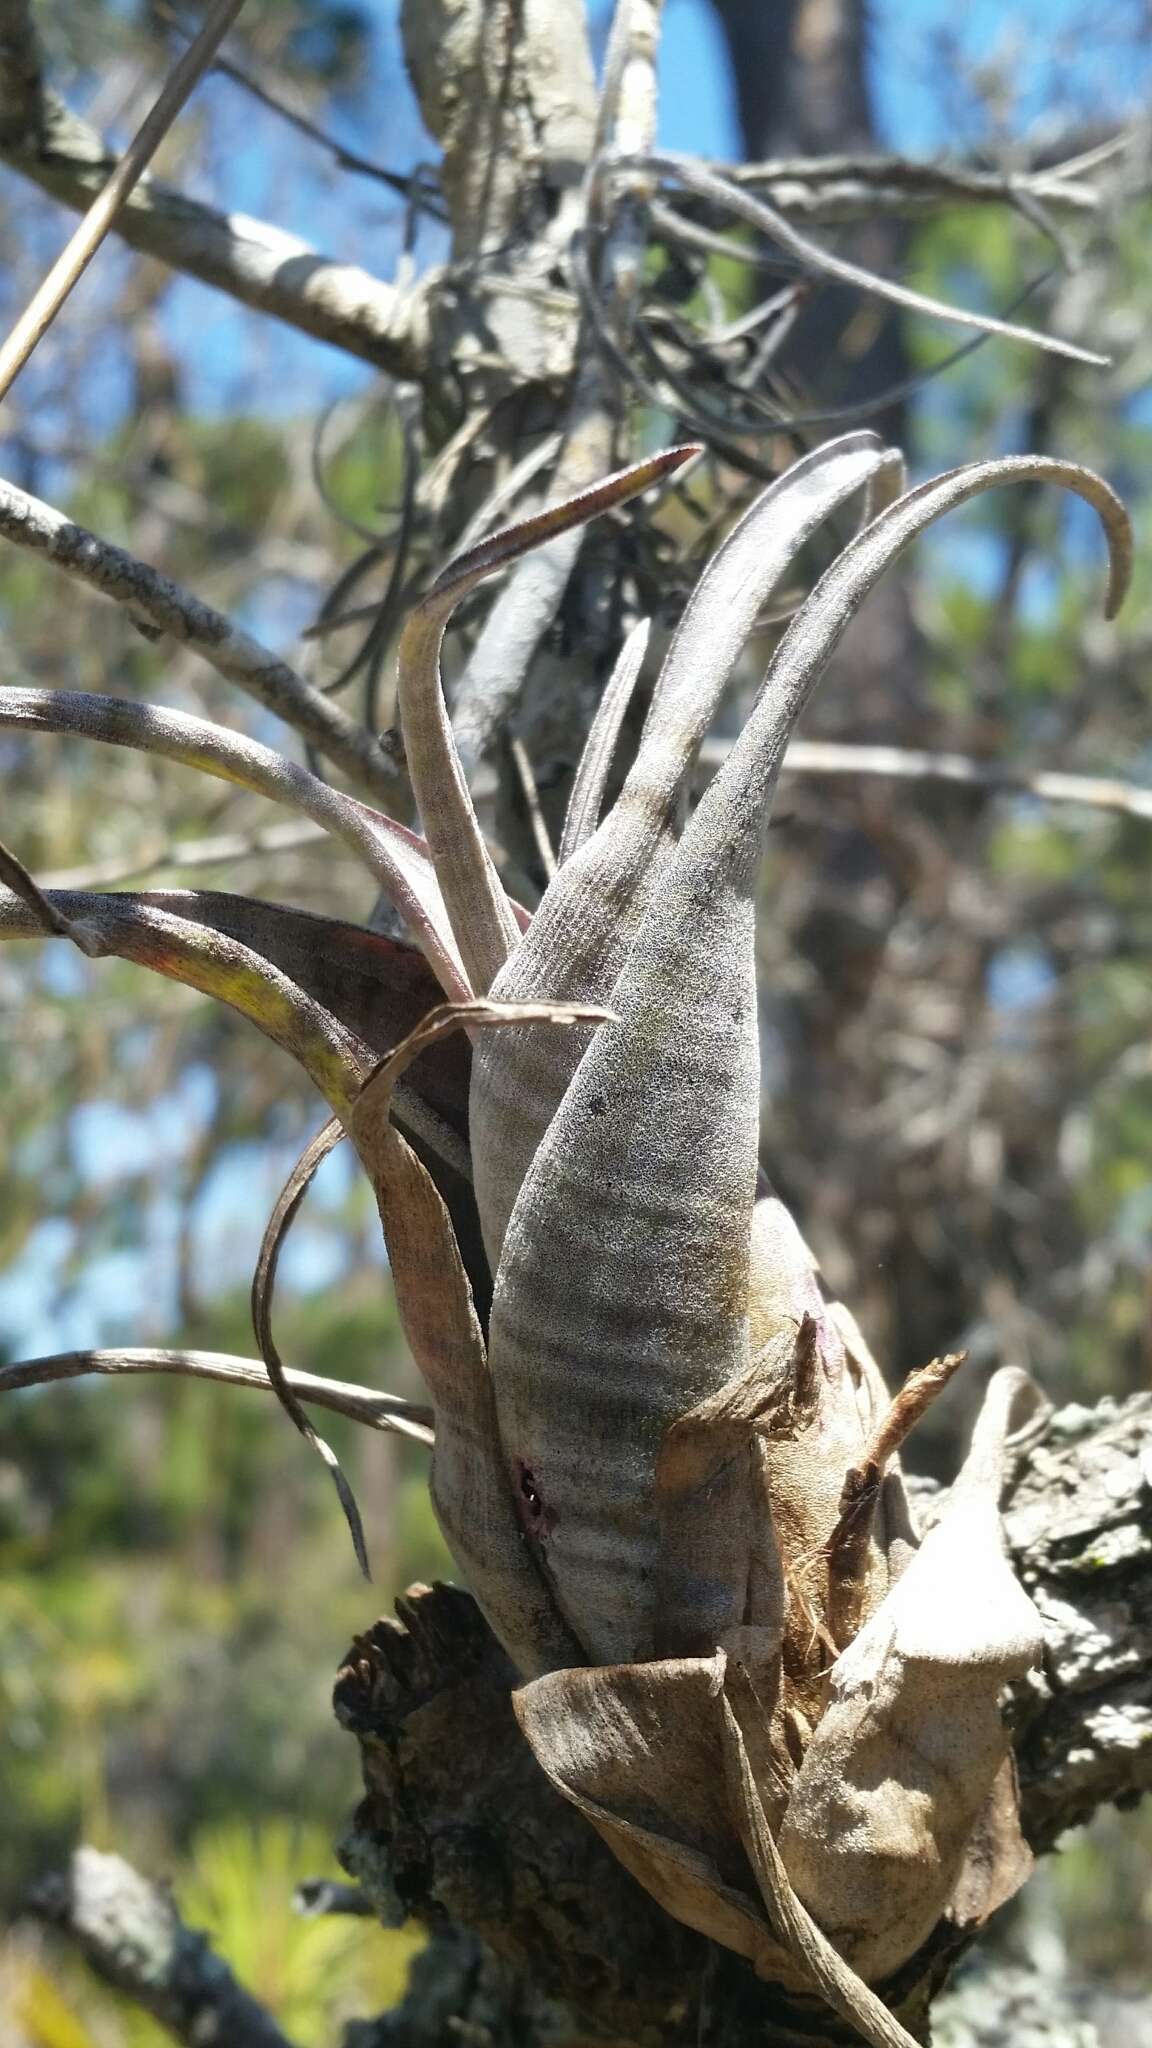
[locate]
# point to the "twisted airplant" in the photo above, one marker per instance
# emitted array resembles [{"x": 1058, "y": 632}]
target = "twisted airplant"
[{"x": 666, "y": 1464}]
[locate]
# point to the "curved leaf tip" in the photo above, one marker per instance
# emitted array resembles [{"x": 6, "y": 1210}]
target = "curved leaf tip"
[{"x": 510, "y": 542}]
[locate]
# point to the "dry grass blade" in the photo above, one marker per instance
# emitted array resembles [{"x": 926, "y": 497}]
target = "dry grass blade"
[
  {"x": 481, "y": 916},
  {"x": 263, "y": 1281},
  {"x": 359, "y": 1404},
  {"x": 790, "y": 1921},
  {"x": 760, "y": 215}
]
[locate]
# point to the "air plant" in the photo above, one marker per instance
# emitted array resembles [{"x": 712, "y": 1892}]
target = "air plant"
[{"x": 665, "y": 1462}]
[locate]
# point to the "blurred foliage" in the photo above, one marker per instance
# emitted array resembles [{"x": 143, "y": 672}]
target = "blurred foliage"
[
  {"x": 236, "y": 1885},
  {"x": 176, "y": 1585}
]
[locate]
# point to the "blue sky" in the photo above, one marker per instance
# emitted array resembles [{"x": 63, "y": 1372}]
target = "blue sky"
[{"x": 1031, "y": 57}]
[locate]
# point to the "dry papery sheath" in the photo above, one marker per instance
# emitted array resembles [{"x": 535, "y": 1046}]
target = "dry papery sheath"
[{"x": 666, "y": 1464}]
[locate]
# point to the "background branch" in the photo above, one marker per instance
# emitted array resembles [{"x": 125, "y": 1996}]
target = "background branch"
[
  {"x": 75, "y": 257},
  {"x": 498, "y": 667},
  {"x": 262, "y": 266},
  {"x": 918, "y": 764},
  {"x": 359, "y": 1404},
  {"x": 132, "y": 1935},
  {"x": 837, "y": 190},
  {"x": 159, "y": 606}
]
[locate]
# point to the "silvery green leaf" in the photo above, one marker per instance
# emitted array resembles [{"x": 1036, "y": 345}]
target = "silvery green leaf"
[
  {"x": 592, "y": 910},
  {"x": 622, "y": 1294}
]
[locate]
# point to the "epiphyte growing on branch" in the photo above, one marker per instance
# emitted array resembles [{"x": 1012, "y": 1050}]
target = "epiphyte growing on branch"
[
  {"x": 666, "y": 1464},
  {"x": 692, "y": 1457}
]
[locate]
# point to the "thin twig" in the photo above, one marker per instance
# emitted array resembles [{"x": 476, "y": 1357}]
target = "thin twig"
[
  {"x": 527, "y": 780},
  {"x": 77, "y": 254},
  {"x": 255, "y": 263},
  {"x": 837, "y": 190},
  {"x": 772, "y": 416},
  {"x": 223, "y": 849},
  {"x": 910, "y": 764},
  {"x": 128, "y": 1929},
  {"x": 157, "y": 605},
  {"x": 419, "y": 188},
  {"x": 823, "y": 262},
  {"x": 359, "y": 1404}
]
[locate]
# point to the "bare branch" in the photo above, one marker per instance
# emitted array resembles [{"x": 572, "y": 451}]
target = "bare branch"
[
  {"x": 130, "y": 1932},
  {"x": 822, "y": 262},
  {"x": 421, "y": 186},
  {"x": 359, "y": 1404},
  {"x": 262, "y": 266},
  {"x": 74, "y": 259},
  {"x": 157, "y": 606},
  {"x": 834, "y": 190},
  {"x": 222, "y": 849},
  {"x": 910, "y": 764},
  {"x": 275, "y": 272},
  {"x": 524, "y": 611}
]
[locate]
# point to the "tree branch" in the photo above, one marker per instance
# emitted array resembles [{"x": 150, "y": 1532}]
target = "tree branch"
[
  {"x": 131, "y": 1934},
  {"x": 1080, "y": 1533},
  {"x": 157, "y": 606},
  {"x": 457, "y": 1817},
  {"x": 74, "y": 259},
  {"x": 911, "y": 764},
  {"x": 260, "y": 265},
  {"x": 837, "y": 190},
  {"x": 525, "y": 609},
  {"x": 272, "y": 271},
  {"x": 359, "y": 1404},
  {"x": 220, "y": 849}
]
